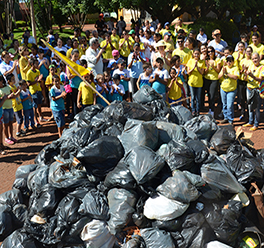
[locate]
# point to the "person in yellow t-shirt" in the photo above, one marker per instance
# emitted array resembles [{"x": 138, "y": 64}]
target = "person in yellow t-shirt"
[
  {"x": 125, "y": 46},
  {"x": 34, "y": 79},
  {"x": 114, "y": 37},
  {"x": 213, "y": 67},
  {"x": 257, "y": 46},
  {"x": 85, "y": 93},
  {"x": 109, "y": 47},
  {"x": 24, "y": 61},
  {"x": 16, "y": 104},
  {"x": 195, "y": 70},
  {"x": 169, "y": 43},
  {"x": 174, "y": 89},
  {"x": 254, "y": 76},
  {"x": 184, "y": 53},
  {"x": 75, "y": 45},
  {"x": 230, "y": 74}
]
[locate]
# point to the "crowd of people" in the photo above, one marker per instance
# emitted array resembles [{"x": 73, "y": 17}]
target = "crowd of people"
[{"x": 121, "y": 62}]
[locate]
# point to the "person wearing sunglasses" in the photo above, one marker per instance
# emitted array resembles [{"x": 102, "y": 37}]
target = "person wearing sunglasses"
[
  {"x": 184, "y": 53},
  {"x": 217, "y": 43}
]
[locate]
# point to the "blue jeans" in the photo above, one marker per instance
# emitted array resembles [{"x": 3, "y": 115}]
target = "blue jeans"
[
  {"x": 28, "y": 115},
  {"x": 253, "y": 120},
  {"x": 228, "y": 99},
  {"x": 196, "y": 98}
]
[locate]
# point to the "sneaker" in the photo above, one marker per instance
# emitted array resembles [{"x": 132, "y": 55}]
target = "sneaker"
[
  {"x": 43, "y": 119},
  {"x": 13, "y": 139},
  {"x": 9, "y": 142},
  {"x": 38, "y": 125},
  {"x": 26, "y": 130},
  {"x": 22, "y": 131},
  {"x": 248, "y": 125},
  {"x": 253, "y": 128},
  {"x": 20, "y": 134},
  {"x": 224, "y": 121}
]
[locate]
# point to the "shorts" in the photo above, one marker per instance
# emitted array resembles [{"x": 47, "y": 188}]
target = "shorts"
[
  {"x": 8, "y": 115},
  {"x": 37, "y": 99},
  {"x": 59, "y": 117},
  {"x": 19, "y": 117}
]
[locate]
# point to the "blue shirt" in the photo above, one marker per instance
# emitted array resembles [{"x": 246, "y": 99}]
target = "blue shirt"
[
  {"x": 144, "y": 80},
  {"x": 57, "y": 105},
  {"x": 158, "y": 86},
  {"x": 137, "y": 65},
  {"x": 26, "y": 104},
  {"x": 75, "y": 82},
  {"x": 218, "y": 47}
]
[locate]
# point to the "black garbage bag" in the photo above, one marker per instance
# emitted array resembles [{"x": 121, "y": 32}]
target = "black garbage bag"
[
  {"x": 169, "y": 225},
  {"x": 143, "y": 163},
  {"x": 181, "y": 188},
  {"x": 121, "y": 207},
  {"x": 222, "y": 139},
  {"x": 21, "y": 239},
  {"x": 20, "y": 214},
  {"x": 204, "y": 126},
  {"x": 114, "y": 130},
  {"x": 38, "y": 178},
  {"x": 94, "y": 204},
  {"x": 44, "y": 233},
  {"x": 155, "y": 238},
  {"x": 44, "y": 202},
  {"x": 146, "y": 94},
  {"x": 177, "y": 155},
  {"x": 211, "y": 192},
  {"x": 47, "y": 154},
  {"x": 244, "y": 165},
  {"x": 114, "y": 113},
  {"x": 181, "y": 114},
  {"x": 66, "y": 175},
  {"x": 24, "y": 170},
  {"x": 11, "y": 198},
  {"x": 102, "y": 155},
  {"x": 225, "y": 221},
  {"x": 195, "y": 231},
  {"x": 120, "y": 176},
  {"x": 136, "y": 242},
  {"x": 138, "y": 133},
  {"x": 170, "y": 131},
  {"x": 216, "y": 173},
  {"x": 67, "y": 214},
  {"x": 6, "y": 225},
  {"x": 160, "y": 110},
  {"x": 199, "y": 149}
]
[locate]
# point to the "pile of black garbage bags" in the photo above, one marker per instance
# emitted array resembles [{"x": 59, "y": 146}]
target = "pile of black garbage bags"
[{"x": 179, "y": 181}]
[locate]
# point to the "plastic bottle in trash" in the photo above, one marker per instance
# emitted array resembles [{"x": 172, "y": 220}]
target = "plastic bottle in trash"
[{"x": 248, "y": 242}]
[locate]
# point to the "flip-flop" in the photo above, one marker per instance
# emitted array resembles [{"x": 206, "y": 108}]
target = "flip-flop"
[{"x": 3, "y": 152}]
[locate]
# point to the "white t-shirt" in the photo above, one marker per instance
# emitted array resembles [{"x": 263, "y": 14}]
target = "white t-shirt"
[
  {"x": 202, "y": 38},
  {"x": 91, "y": 54},
  {"x": 124, "y": 73},
  {"x": 6, "y": 67},
  {"x": 120, "y": 87},
  {"x": 59, "y": 49},
  {"x": 147, "y": 49}
]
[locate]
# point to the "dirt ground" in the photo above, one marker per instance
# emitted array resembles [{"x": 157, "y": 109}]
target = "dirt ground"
[{"x": 27, "y": 148}]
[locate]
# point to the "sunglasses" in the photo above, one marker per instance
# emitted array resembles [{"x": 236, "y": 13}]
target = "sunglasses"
[
  {"x": 210, "y": 51},
  {"x": 180, "y": 41}
]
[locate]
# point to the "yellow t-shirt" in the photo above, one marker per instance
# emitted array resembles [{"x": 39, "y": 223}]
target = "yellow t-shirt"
[
  {"x": 246, "y": 62},
  {"x": 184, "y": 54},
  {"x": 170, "y": 45},
  {"x": 8, "y": 102},
  {"x": 175, "y": 91},
  {"x": 24, "y": 67},
  {"x": 81, "y": 52},
  {"x": 195, "y": 78},
  {"x": 108, "y": 50},
  {"x": 87, "y": 93},
  {"x": 211, "y": 73},
  {"x": 258, "y": 49},
  {"x": 16, "y": 103},
  {"x": 124, "y": 50},
  {"x": 257, "y": 72},
  {"x": 229, "y": 84},
  {"x": 115, "y": 39},
  {"x": 48, "y": 82},
  {"x": 31, "y": 76}
]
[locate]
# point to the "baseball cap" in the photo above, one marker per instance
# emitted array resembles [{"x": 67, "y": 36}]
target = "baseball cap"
[
  {"x": 121, "y": 61},
  {"x": 136, "y": 44},
  {"x": 217, "y": 31},
  {"x": 161, "y": 43},
  {"x": 115, "y": 53},
  {"x": 229, "y": 58},
  {"x": 101, "y": 15},
  {"x": 116, "y": 76},
  {"x": 255, "y": 26},
  {"x": 167, "y": 33},
  {"x": 132, "y": 31},
  {"x": 166, "y": 23}
]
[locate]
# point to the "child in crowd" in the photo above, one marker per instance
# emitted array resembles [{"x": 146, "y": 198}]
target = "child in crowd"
[
  {"x": 101, "y": 87},
  {"x": 58, "y": 93},
  {"x": 8, "y": 113},
  {"x": 145, "y": 76},
  {"x": 34, "y": 79},
  {"x": 50, "y": 37},
  {"x": 124, "y": 76},
  {"x": 174, "y": 88},
  {"x": 49, "y": 81},
  {"x": 195, "y": 70},
  {"x": 64, "y": 79},
  {"x": 117, "y": 89},
  {"x": 2, "y": 101},
  {"x": 17, "y": 105},
  {"x": 159, "y": 78},
  {"x": 27, "y": 103},
  {"x": 108, "y": 84},
  {"x": 85, "y": 93}
]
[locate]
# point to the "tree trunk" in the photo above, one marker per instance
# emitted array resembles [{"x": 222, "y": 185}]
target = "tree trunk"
[{"x": 33, "y": 23}]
